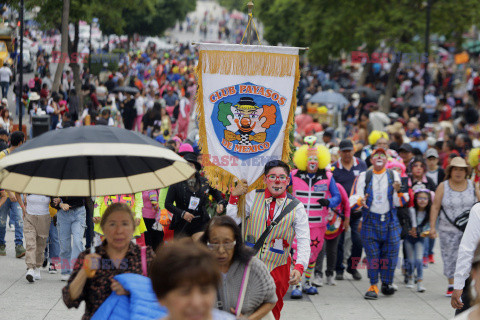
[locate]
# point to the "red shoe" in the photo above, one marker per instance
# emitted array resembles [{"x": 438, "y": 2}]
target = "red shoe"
[
  {"x": 449, "y": 292},
  {"x": 431, "y": 259},
  {"x": 425, "y": 261}
]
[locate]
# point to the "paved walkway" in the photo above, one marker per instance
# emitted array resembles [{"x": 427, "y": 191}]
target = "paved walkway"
[{"x": 42, "y": 300}]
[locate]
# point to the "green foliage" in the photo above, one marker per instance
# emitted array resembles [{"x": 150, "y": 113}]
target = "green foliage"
[
  {"x": 224, "y": 110},
  {"x": 153, "y": 17},
  {"x": 330, "y": 27},
  {"x": 145, "y": 17},
  {"x": 239, "y": 5}
]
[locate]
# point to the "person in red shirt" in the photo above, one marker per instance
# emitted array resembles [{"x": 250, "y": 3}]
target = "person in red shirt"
[{"x": 44, "y": 93}]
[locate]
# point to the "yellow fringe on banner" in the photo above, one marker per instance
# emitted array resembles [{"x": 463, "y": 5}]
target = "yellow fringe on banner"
[
  {"x": 248, "y": 63},
  {"x": 271, "y": 64}
]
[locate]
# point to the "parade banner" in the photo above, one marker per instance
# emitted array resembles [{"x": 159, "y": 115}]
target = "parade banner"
[{"x": 246, "y": 100}]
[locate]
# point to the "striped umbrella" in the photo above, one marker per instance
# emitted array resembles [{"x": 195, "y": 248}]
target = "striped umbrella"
[{"x": 91, "y": 161}]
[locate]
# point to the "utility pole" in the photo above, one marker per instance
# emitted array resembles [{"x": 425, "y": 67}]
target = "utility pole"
[
  {"x": 90, "y": 52},
  {"x": 427, "y": 48},
  {"x": 20, "y": 66}
]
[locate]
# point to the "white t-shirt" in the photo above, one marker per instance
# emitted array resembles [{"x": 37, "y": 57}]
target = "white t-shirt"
[
  {"x": 5, "y": 74},
  {"x": 139, "y": 102},
  {"x": 37, "y": 205}
]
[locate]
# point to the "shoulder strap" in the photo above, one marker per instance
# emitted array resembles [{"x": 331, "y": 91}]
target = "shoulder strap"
[
  {"x": 269, "y": 229},
  {"x": 368, "y": 179},
  {"x": 243, "y": 289},
  {"x": 446, "y": 216},
  {"x": 390, "y": 174},
  {"x": 144, "y": 261}
]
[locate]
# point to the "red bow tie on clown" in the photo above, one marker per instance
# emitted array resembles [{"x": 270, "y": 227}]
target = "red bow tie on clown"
[{"x": 271, "y": 204}]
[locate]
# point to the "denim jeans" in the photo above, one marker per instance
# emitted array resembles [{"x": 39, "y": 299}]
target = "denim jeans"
[
  {"x": 4, "y": 85},
  {"x": 414, "y": 249},
  {"x": 429, "y": 244},
  {"x": 71, "y": 224},
  {"x": 13, "y": 209},
  {"x": 52, "y": 250},
  {"x": 356, "y": 246}
]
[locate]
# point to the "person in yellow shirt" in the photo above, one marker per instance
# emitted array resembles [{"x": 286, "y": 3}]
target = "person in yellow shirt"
[{"x": 134, "y": 201}]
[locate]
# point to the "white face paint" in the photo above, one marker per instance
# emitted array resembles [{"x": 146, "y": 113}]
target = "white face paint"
[
  {"x": 312, "y": 164},
  {"x": 379, "y": 162}
]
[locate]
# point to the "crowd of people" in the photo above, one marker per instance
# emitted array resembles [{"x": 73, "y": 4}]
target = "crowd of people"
[{"x": 384, "y": 188}]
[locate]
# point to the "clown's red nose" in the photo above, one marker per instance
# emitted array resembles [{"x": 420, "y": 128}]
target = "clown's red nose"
[{"x": 245, "y": 122}]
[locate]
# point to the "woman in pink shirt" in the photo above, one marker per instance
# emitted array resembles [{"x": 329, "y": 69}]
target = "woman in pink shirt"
[{"x": 150, "y": 208}]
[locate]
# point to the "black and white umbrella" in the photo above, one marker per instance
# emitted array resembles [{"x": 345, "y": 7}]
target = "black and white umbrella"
[
  {"x": 131, "y": 90},
  {"x": 91, "y": 161}
]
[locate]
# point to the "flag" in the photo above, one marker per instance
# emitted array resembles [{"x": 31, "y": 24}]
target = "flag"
[{"x": 246, "y": 100}]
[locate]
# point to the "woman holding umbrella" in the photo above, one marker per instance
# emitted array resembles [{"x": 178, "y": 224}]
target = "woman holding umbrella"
[{"x": 190, "y": 197}]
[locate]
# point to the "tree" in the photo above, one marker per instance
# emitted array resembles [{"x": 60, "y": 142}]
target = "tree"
[
  {"x": 230, "y": 5},
  {"x": 64, "y": 45},
  {"x": 330, "y": 27},
  {"x": 153, "y": 17}
]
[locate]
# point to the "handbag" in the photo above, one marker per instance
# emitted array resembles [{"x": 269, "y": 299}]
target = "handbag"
[
  {"x": 243, "y": 290},
  {"x": 459, "y": 222}
]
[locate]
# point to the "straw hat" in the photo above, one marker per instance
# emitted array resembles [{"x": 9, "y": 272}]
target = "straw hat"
[{"x": 458, "y": 162}]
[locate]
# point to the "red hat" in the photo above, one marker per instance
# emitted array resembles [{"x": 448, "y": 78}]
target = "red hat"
[{"x": 110, "y": 76}]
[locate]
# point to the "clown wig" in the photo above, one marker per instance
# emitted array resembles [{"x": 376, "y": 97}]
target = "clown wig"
[
  {"x": 473, "y": 157},
  {"x": 375, "y": 135},
  {"x": 392, "y": 163},
  {"x": 300, "y": 157}
]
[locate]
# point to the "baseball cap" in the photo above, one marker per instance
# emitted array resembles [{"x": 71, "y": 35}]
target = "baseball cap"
[
  {"x": 379, "y": 150},
  {"x": 405, "y": 147},
  {"x": 345, "y": 145},
  {"x": 431, "y": 153}
]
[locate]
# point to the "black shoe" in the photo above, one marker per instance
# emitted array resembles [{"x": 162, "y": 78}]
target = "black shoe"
[
  {"x": 339, "y": 276},
  {"x": 45, "y": 262},
  {"x": 355, "y": 274},
  {"x": 387, "y": 289},
  {"x": 372, "y": 293}
]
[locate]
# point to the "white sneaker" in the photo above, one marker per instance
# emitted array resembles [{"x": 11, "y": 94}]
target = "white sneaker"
[
  {"x": 395, "y": 287},
  {"x": 410, "y": 284},
  {"x": 331, "y": 281},
  {"x": 420, "y": 287},
  {"x": 65, "y": 277},
  {"x": 36, "y": 274},
  {"x": 318, "y": 280},
  {"x": 30, "y": 275}
]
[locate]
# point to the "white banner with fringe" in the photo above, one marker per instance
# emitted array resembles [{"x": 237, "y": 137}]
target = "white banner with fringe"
[{"x": 246, "y": 100}]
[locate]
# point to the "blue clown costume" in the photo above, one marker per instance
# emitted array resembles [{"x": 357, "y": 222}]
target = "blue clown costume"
[{"x": 381, "y": 229}]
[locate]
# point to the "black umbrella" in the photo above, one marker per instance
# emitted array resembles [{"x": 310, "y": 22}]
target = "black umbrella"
[
  {"x": 91, "y": 161},
  {"x": 131, "y": 90}
]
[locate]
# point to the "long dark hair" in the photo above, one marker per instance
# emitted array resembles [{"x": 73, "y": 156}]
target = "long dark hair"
[{"x": 241, "y": 253}]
